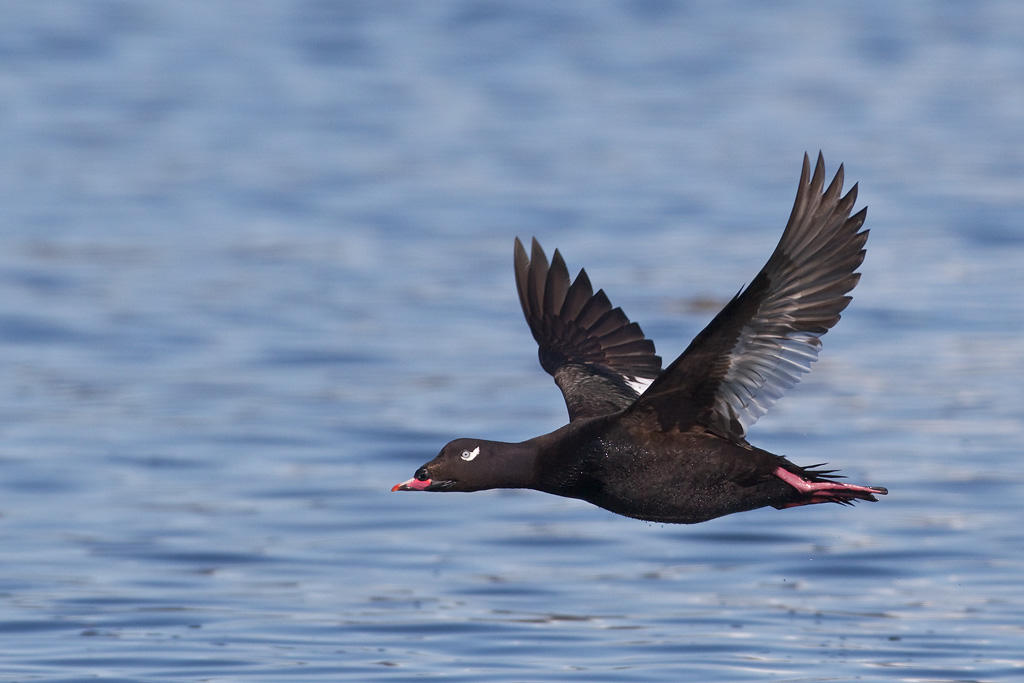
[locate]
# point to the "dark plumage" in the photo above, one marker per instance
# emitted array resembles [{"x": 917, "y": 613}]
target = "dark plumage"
[{"x": 670, "y": 445}]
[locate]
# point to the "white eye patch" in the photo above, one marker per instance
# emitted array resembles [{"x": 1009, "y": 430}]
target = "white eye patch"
[{"x": 469, "y": 455}]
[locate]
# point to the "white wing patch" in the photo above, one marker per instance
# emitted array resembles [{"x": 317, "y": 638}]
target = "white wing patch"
[
  {"x": 469, "y": 455},
  {"x": 639, "y": 384}
]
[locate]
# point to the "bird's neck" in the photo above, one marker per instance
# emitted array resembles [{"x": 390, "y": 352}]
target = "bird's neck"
[
  {"x": 513, "y": 465},
  {"x": 562, "y": 457}
]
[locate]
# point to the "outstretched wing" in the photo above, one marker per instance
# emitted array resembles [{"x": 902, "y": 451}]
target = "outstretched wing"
[
  {"x": 599, "y": 359},
  {"x": 766, "y": 338}
]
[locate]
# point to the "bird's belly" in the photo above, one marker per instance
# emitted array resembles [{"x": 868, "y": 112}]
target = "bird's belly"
[{"x": 682, "y": 490}]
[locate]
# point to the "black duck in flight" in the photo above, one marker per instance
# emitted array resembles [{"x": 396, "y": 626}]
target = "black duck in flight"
[{"x": 669, "y": 445}]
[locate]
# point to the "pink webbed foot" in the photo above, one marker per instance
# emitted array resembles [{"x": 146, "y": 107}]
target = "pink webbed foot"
[{"x": 827, "y": 491}]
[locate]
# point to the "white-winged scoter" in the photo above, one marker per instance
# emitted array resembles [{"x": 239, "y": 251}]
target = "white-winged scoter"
[{"x": 669, "y": 445}]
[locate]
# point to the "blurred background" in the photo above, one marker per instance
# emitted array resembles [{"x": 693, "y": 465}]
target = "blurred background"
[{"x": 256, "y": 269}]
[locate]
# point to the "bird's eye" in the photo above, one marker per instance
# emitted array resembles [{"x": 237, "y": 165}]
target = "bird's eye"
[
  {"x": 421, "y": 474},
  {"x": 469, "y": 455}
]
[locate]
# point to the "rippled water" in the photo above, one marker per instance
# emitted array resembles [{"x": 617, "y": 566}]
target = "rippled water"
[{"x": 256, "y": 268}]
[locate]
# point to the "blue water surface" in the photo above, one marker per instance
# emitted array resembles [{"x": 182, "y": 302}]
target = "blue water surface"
[{"x": 256, "y": 269}]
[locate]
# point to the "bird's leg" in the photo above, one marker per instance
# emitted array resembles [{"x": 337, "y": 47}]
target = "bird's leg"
[{"x": 826, "y": 491}]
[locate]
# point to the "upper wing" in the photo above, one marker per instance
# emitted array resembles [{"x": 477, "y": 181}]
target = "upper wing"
[
  {"x": 761, "y": 343},
  {"x": 599, "y": 359}
]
